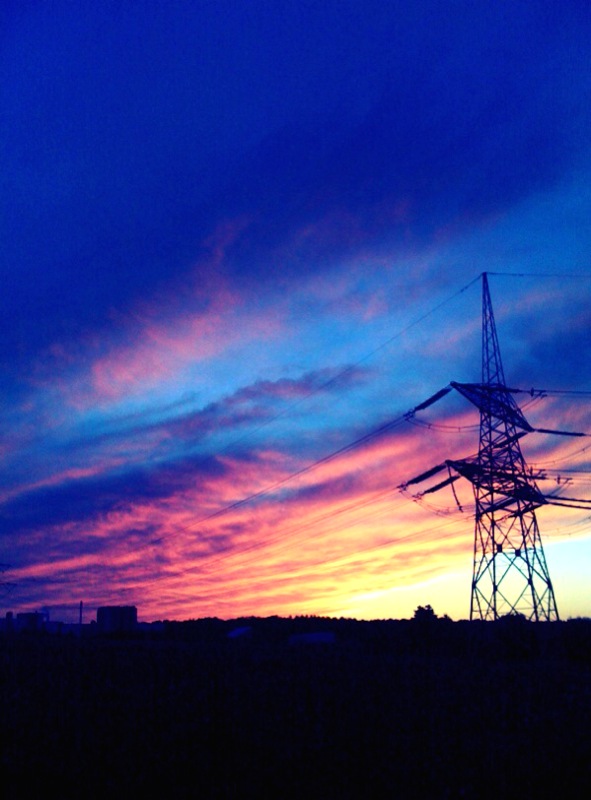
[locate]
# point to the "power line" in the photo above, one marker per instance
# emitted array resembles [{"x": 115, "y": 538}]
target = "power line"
[
  {"x": 297, "y": 473},
  {"x": 388, "y": 426},
  {"x": 254, "y": 547},
  {"x": 556, "y": 499},
  {"x": 559, "y": 275},
  {"x": 347, "y": 370},
  {"x": 422, "y": 533},
  {"x": 326, "y": 384},
  {"x": 567, "y": 457},
  {"x": 568, "y": 392}
]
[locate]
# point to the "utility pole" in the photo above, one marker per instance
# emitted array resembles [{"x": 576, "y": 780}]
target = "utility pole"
[{"x": 510, "y": 574}]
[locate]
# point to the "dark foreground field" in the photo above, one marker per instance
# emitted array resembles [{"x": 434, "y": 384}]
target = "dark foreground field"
[{"x": 389, "y": 709}]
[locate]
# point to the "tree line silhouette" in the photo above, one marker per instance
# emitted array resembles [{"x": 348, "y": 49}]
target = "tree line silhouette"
[{"x": 425, "y": 707}]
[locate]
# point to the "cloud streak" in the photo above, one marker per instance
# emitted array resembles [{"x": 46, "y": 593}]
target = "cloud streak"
[{"x": 238, "y": 237}]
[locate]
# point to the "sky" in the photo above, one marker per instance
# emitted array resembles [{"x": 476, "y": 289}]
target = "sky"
[{"x": 237, "y": 236}]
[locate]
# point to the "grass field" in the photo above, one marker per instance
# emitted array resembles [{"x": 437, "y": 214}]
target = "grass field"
[{"x": 388, "y": 710}]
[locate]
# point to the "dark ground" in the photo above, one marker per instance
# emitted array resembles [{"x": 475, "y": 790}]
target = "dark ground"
[{"x": 403, "y": 709}]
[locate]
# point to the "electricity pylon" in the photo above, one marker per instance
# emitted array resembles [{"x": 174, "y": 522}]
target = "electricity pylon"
[{"x": 510, "y": 574}]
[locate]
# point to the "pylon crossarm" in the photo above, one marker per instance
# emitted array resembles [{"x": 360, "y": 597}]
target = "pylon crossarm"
[
  {"x": 568, "y": 502},
  {"x": 423, "y": 476},
  {"x": 441, "y": 484},
  {"x": 495, "y": 400},
  {"x": 505, "y": 482}
]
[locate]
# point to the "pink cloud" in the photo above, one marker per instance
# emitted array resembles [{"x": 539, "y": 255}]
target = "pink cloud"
[
  {"x": 318, "y": 544},
  {"x": 155, "y": 352},
  {"x": 161, "y": 337},
  {"x": 158, "y": 351},
  {"x": 58, "y": 478}
]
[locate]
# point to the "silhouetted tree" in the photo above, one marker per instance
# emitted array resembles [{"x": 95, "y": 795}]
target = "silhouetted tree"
[{"x": 424, "y": 614}]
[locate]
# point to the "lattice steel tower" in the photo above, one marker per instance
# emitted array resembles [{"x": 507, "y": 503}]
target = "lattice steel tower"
[{"x": 510, "y": 574}]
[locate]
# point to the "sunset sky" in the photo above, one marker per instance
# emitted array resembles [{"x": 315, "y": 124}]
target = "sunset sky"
[{"x": 237, "y": 236}]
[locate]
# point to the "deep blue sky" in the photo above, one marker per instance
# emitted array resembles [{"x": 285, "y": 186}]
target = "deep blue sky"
[{"x": 208, "y": 211}]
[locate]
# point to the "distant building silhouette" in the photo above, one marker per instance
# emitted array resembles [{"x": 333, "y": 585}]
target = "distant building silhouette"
[
  {"x": 32, "y": 621},
  {"x": 116, "y": 619}
]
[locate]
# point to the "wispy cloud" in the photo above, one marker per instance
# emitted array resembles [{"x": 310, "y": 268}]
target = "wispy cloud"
[{"x": 195, "y": 313}]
